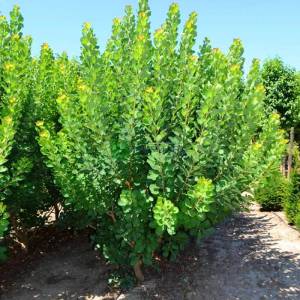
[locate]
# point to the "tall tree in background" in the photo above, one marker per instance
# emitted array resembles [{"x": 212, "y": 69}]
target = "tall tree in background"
[{"x": 282, "y": 84}]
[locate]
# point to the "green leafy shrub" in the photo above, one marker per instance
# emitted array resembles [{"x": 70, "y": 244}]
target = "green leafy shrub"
[
  {"x": 3, "y": 228},
  {"x": 157, "y": 142},
  {"x": 38, "y": 192},
  {"x": 29, "y": 88},
  {"x": 273, "y": 191},
  {"x": 297, "y": 218},
  {"x": 14, "y": 87},
  {"x": 292, "y": 208},
  {"x": 292, "y": 204}
]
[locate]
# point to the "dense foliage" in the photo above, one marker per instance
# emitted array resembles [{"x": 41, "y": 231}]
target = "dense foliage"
[
  {"x": 274, "y": 191},
  {"x": 29, "y": 88},
  {"x": 38, "y": 192},
  {"x": 14, "y": 89},
  {"x": 282, "y": 95},
  {"x": 282, "y": 91},
  {"x": 292, "y": 204},
  {"x": 156, "y": 142}
]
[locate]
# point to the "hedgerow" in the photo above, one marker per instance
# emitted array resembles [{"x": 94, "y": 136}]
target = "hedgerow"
[
  {"x": 38, "y": 192},
  {"x": 157, "y": 142},
  {"x": 29, "y": 88},
  {"x": 283, "y": 95}
]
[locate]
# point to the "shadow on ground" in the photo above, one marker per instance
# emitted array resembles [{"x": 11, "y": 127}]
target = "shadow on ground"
[{"x": 240, "y": 261}]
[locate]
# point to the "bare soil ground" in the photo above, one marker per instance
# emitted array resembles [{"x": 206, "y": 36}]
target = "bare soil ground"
[{"x": 253, "y": 255}]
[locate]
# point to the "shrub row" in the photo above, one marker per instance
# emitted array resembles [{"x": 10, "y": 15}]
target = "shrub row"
[
  {"x": 148, "y": 142},
  {"x": 28, "y": 89}
]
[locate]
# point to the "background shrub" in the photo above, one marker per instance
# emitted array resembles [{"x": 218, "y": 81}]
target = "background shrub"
[
  {"x": 38, "y": 192},
  {"x": 283, "y": 95},
  {"x": 273, "y": 191},
  {"x": 282, "y": 92},
  {"x": 292, "y": 204},
  {"x": 297, "y": 218},
  {"x": 28, "y": 91}
]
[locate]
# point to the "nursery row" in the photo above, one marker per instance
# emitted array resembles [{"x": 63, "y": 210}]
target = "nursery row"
[
  {"x": 150, "y": 142},
  {"x": 280, "y": 189}
]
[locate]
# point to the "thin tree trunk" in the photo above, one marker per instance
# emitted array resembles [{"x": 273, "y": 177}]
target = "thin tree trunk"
[
  {"x": 138, "y": 271},
  {"x": 57, "y": 211}
]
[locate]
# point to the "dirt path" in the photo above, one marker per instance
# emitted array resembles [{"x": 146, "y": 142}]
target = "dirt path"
[{"x": 254, "y": 255}]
